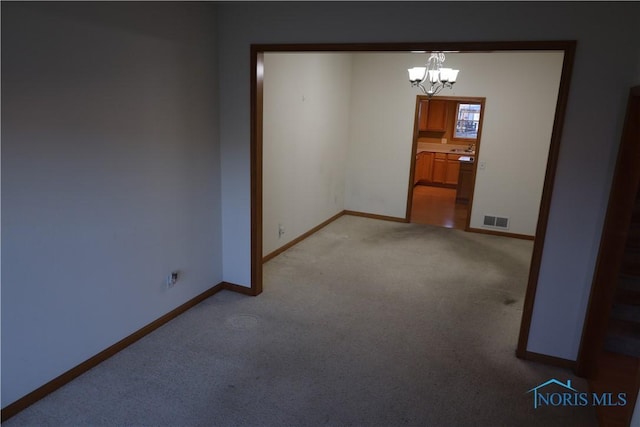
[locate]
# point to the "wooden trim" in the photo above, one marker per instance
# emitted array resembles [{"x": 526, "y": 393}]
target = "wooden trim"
[
  {"x": 548, "y": 360},
  {"x": 300, "y": 238},
  {"x": 463, "y": 99},
  {"x": 434, "y": 184},
  {"x": 257, "y": 91},
  {"x": 622, "y": 197},
  {"x": 501, "y": 233},
  {"x": 39, "y": 393},
  {"x": 376, "y": 216},
  {"x": 482, "y": 102},
  {"x": 481, "y": 46},
  {"x": 228, "y": 286},
  {"x": 303, "y": 236},
  {"x": 569, "y": 48},
  {"x": 412, "y": 164}
]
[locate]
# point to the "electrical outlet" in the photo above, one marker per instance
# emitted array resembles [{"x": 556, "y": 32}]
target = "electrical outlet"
[
  {"x": 172, "y": 278},
  {"x": 280, "y": 230}
]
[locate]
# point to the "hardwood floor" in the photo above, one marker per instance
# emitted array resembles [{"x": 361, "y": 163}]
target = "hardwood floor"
[{"x": 437, "y": 206}]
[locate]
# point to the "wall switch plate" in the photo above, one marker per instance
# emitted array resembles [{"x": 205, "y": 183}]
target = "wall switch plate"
[{"x": 482, "y": 165}]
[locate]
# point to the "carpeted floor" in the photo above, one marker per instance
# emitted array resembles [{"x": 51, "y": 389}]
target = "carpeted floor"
[{"x": 365, "y": 323}]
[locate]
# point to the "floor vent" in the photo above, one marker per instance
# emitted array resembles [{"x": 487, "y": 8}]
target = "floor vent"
[{"x": 496, "y": 222}]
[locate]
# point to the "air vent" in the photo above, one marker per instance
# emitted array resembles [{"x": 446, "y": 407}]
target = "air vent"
[
  {"x": 490, "y": 220},
  {"x": 493, "y": 221},
  {"x": 502, "y": 222}
]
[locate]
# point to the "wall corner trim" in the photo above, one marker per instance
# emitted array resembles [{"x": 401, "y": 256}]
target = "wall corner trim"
[{"x": 244, "y": 290}]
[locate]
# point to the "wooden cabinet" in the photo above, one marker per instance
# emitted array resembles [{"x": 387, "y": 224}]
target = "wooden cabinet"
[
  {"x": 436, "y": 168},
  {"x": 424, "y": 165},
  {"x": 437, "y": 118},
  {"x": 432, "y": 115},
  {"x": 416, "y": 172},
  {"x": 423, "y": 114},
  {"x": 453, "y": 169},
  {"x": 427, "y": 166},
  {"x": 465, "y": 182},
  {"x": 439, "y": 168}
]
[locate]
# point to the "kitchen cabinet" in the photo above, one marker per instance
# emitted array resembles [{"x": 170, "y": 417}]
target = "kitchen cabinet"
[
  {"x": 423, "y": 113},
  {"x": 452, "y": 170},
  {"x": 424, "y": 165},
  {"x": 436, "y": 168},
  {"x": 439, "y": 168},
  {"x": 465, "y": 182},
  {"x": 428, "y": 167},
  {"x": 432, "y": 116}
]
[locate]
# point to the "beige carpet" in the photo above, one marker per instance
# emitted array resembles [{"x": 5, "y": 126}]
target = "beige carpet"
[{"x": 365, "y": 323}]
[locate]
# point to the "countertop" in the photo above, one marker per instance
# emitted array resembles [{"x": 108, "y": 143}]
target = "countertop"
[{"x": 446, "y": 148}]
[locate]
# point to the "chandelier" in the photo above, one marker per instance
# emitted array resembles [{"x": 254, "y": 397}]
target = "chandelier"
[{"x": 434, "y": 77}]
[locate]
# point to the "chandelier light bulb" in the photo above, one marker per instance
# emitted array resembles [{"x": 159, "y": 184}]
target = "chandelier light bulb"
[{"x": 416, "y": 74}]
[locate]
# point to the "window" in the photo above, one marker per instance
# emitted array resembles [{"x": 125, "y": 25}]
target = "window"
[{"x": 467, "y": 120}]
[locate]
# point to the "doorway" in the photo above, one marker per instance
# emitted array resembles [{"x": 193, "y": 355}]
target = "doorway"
[
  {"x": 446, "y": 142},
  {"x": 565, "y": 48}
]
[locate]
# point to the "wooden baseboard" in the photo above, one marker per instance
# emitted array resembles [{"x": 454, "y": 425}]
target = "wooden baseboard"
[
  {"x": 375, "y": 216},
  {"x": 31, "y": 398},
  {"x": 239, "y": 289},
  {"x": 548, "y": 360},
  {"x": 300, "y": 238},
  {"x": 501, "y": 233}
]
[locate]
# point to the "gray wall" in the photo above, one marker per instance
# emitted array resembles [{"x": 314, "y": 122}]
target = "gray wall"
[
  {"x": 605, "y": 35},
  {"x": 110, "y": 176}
]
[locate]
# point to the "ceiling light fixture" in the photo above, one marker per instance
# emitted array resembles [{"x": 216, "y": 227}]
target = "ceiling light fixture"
[{"x": 434, "y": 77}]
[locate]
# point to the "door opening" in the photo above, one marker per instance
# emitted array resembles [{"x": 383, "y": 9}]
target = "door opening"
[
  {"x": 446, "y": 143},
  {"x": 566, "y": 48}
]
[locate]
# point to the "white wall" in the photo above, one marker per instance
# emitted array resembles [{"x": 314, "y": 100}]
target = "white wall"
[
  {"x": 305, "y": 135},
  {"x": 110, "y": 176},
  {"x": 302, "y": 185},
  {"x": 605, "y": 34},
  {"x": 521, "y": 90},
  {"x": 381, "y": 136}
]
